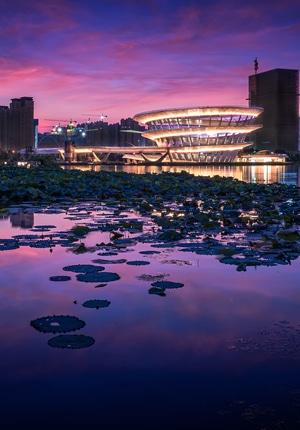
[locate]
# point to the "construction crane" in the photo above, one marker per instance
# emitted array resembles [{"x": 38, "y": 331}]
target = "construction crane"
[
  {"x": 67, "y": 129},
  {"x": 101, "y": 116},
  {"x": 255, "y": 65},
  {"x": 70, "y": 122}
]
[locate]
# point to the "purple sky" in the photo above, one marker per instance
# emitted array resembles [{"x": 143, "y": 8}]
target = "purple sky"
[{"x": 121, "y": 58}]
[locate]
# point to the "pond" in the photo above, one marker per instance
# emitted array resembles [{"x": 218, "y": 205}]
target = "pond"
[
  {"x": 263, "y": 174},
  {"x": 106, "y": 325}
]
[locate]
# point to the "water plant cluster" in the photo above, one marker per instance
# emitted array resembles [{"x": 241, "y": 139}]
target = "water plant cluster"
[
  {"x": 245, "y": 224},
  {"x": 62, "y": 324},
  {"x": 147, "y": 190}
]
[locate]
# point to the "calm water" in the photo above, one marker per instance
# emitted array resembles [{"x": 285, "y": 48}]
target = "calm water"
[
  {"x": 268, "y": 174},
  {"x": 221, "y": 351}
]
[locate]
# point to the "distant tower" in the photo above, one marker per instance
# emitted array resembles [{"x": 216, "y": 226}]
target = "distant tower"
[{"x": 277, "y": 92}]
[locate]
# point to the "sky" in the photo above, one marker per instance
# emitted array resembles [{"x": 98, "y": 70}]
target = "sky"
[{"x": 80, "y": 59}]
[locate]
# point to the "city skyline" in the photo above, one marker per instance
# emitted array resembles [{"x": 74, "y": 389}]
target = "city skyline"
[{"x": 84, "y": 59}]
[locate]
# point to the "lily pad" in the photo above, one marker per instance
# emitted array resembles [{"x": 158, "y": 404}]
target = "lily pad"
[
  {"x": 60, "y": 278},
  {"x": 105, "y": 261},
  {"x": 98, "y": 277},
  {"x": 167, "y": 284},
  {"x": 149, "y": 252},
  {"x": 42, "y": 244},
  {"x": 44, "y": 226},
  {"x": 83, "y": 268},
  {"x": 96, "y": 304},
  {"x": 80, "y": 230},
  {"x": 291, "y": 235},
  {"x": 57, "y": 324},
  {"x": 80, "y": 249},
  {"x": 125, "y": 242},
  {"x": 71, "y": 341},
  {"x": 170, "y": 235},
  {"x": 157, "y": 291},
  {"x": 8, "y": 244},
  {"x": 108, "y": 253},
  {"x": 23, "y": 236},
  {"x": 138, "y": 263}
]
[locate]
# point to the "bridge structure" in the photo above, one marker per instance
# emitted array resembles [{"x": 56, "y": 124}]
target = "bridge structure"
[{"x": 145, "y": 154}]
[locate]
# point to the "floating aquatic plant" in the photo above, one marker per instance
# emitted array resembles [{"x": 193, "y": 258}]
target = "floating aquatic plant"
[
  {"x": 149, "y": 252},
  {"x": 108, "y": 253},
  {"x": 83, "y": 268},
  {"x": 105, "y": 261},
  {"x": 291, "y": 235},
  {"x": 115, "y": 235},
  {"x": 157, "y": 291},
  {"x": 8, "y": 244},
  {"x": 190, "y": 207},
  {"x": 57, "y": 323},
  {"x": 42, "y": 244},
  {"x": 44, "y": 227},
  {"x": 80, "y": 249},
  {"x": 132, "y": 225},
  {"x": 98, "y": 277},
  {"x": 71, "y": 341},
  {"x": 138, "y": 263},
  {"x": 167, "y": 284},
  {"x": 95, "y": 303},
  {"x": 170, "y": 235},
  {"x": 80, "y": 230},
  {"x": 60, "y": 278}
]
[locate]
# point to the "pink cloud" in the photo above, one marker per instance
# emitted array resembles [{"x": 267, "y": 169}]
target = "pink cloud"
[{"x": 73, "y": 57}]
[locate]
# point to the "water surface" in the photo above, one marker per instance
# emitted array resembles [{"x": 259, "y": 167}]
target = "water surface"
[
  {"x": 220, "y": 351},
  {"x": 267, "y": 174}
]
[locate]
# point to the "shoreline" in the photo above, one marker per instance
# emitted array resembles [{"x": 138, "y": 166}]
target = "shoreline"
[{"x": 82, "y": 163}]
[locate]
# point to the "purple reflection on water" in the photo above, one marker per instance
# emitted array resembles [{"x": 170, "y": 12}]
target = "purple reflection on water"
[{"x": 202, "y": 355}]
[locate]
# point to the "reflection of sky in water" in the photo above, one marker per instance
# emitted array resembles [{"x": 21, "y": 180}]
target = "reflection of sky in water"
[{"x": 162, "y": 359}]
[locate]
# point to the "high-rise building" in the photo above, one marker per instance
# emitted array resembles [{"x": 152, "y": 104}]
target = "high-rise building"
[
  {"x": 277, "y": 92},
  {"x": 3, "y": 127},
  {"x": 130, "y": 133},
  {"x": 17, "y": 124}
]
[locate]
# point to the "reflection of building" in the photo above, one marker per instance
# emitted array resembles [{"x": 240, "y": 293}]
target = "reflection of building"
[
  {"x": 201, "y": 134},
  {"x": 264, "y": 156},
  {"x": 277, "y": 92},
  {"x": 17, "y": 128},
  {"x": 23, "y": 220}
]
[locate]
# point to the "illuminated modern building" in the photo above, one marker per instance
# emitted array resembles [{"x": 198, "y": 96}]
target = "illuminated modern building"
[
  {"x": 277, "y": 91},
  {"x": 200, "y": 134}
]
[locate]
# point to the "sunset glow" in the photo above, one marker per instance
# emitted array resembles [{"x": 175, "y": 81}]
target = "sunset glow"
[{"x": 120, "y": 58}]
